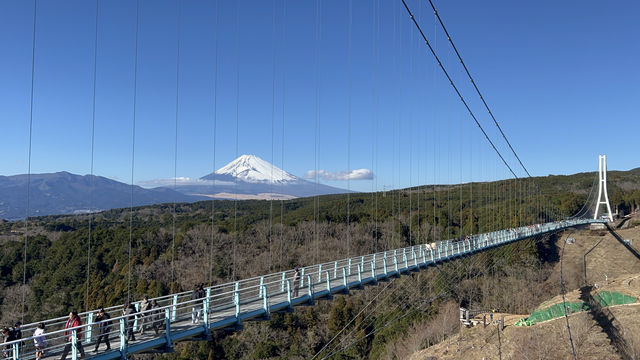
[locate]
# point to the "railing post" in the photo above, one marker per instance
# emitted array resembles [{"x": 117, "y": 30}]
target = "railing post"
[
  {"x": 349, "y": 266},
  {"x": 431, "y": 251},
  {"x": 415, "y": 258},
  {"x": 284, "y": 277},
  {"x": 236, "y": 298},
  {"x": 319, "y": 272},
  {"x": 123, "y": 337},
  {"x": 167, "y": 325},
  {"x": 384, "y": 265},
  {"x": 289, "y": 292},
  {"x": 174, "y": 308},
  {"x": 335, "y": 269},
  {"x": 328, "y": 282},
  {"x": 360, "y": 274},
  {"x": 310, "y": 288},
  {"x": 206, "y": 307},
  {"x": 458, "y": 243},
  {"x": 16, "y": 351},
  {"x": 424, "y": 255},
  {"x": 344, "y": 278},
  {"x": 89, "y": 327},
  {"x": 260, "y": 292},
  {"x": 265, "y": 299},
  {"x": 404, "y": 257},
  {"x": 74, "y": 344},
  {"x": 135, "y": 318},
  {"x": 302, "y": 278},
  {"x": 395, "y": 261},
  {"x": 373, "y": 270}
]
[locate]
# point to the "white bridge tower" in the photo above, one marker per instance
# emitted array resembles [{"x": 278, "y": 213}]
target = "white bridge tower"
[{"x": 602, "y": 187}]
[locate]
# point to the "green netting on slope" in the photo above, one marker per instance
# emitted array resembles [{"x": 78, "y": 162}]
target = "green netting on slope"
[
  {"x": 608, "y": 298},
  {"x": 555, "y": 311}
]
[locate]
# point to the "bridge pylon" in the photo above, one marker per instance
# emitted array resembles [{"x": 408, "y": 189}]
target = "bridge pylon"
[{"x": 603, "y": 197}]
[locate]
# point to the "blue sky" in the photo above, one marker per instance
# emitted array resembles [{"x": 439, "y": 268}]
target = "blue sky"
[{"x": 561, "y": 78}]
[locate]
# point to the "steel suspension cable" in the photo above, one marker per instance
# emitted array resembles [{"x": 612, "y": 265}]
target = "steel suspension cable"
[
  {"x": 284, "y": 38},
  {"x": 273, "y": 119},
  {"x": 235, "y": 179},
  {"x": 475, "y": 85},
  {"x": 350, "y": 56},
  {"x": 213, "y": 165},
  {"x": 26, "y": 220},
  {"x": 92, "y": 180},
  {"x": 175, "y": 146},
  {"x": 455, "y": 88},
  {"x": 133, "y": 145}
]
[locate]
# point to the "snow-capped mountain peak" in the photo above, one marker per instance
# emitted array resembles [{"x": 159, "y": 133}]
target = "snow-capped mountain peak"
[{"x": 250, "y": 168}]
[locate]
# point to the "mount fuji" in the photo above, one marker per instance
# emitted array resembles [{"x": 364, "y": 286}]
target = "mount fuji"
[{"x": 250, "y": 177}]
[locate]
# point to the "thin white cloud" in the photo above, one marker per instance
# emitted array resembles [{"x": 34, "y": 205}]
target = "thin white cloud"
[
  {"x": 180, "y": 181},
  {"x": 357, "y": 174}
]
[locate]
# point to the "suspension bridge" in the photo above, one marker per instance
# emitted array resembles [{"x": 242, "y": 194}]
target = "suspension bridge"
[{"x": 231, "y": 304}]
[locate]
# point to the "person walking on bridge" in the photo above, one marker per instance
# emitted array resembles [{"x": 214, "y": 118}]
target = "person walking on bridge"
[
  {"x": 40, "y": 341},
  {"x": 72, "y": 322},
  {"x": 196, "y": 309},
  {"x": 145, "y": 317},
  {"x": 130, "y": 312},
  {"x": 296, "y": 283},
  {"x": 104, "y": 324}
]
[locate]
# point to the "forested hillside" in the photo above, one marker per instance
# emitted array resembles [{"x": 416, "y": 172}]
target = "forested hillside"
[{"x": 174, "y": 248}]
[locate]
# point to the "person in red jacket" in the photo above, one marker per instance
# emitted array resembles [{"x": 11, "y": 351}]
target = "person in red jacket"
[{"x": 73, "y": 321}]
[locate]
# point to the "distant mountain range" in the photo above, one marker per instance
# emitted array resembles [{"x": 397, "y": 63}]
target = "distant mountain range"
[
  {"x": 247, "y": 177},
  {"x": 66, "y": 193}
]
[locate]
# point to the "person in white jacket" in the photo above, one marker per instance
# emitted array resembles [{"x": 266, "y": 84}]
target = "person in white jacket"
[{"x": 40, "y": 341}]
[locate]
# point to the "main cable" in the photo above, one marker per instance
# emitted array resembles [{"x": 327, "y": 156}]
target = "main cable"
[
  {"x": 455, "y": 88},
  {"x": 476, "y": 86}
]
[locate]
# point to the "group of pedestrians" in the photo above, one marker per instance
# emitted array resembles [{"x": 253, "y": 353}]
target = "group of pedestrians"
[{"x": 147, "y": 318}]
